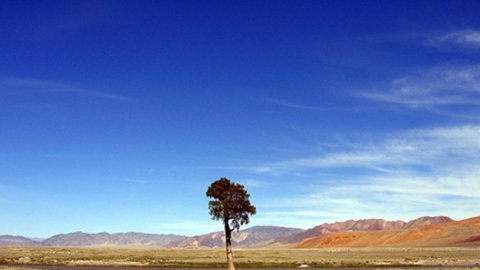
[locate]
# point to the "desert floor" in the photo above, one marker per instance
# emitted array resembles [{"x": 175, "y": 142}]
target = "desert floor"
[{"x": 244, "y": 258}]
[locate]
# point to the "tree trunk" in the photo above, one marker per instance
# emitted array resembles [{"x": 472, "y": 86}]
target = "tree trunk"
[{"x": 228, "y": 244}]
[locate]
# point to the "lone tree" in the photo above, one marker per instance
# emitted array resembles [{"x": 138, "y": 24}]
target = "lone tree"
[{"x": 231, "y": 205}]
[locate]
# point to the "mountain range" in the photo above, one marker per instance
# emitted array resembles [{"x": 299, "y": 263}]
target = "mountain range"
[
  {"x": 361, "y": 225},
  {"x": 10, "y": 240},
  {"x": 422, "y": 232},
  {"x": 116, "y": 239},
  {"x": 436, "y": 234},
  {"x": 253, "y": 237}
]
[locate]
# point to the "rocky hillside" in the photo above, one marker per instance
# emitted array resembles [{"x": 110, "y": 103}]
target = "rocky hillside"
[
  {"x": 350, "y": 225},
  {"x": 426, "y": 221},
  {"x": 360, "y": 225},
  {"x": 442, "y": 234},
  {"x": 252, "y": 237},
  {"x": 10, "y": 240},
  {"x": 116, "y": 239}
]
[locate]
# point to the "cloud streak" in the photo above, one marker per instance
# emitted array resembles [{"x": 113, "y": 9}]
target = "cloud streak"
[
  {"x": 436, "y": 87},
  {"x": 418, "y": 172},
  {"x": 462, "y": 38},
  {"x": 426, "y": 147},
  {"x": 389, "y": 196},
  {"x": 42, "y": 86},
  {"x": 291, "y": 105}
]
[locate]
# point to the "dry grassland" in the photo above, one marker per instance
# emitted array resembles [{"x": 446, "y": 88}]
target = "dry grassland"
[{"x": 246, "y": 258}]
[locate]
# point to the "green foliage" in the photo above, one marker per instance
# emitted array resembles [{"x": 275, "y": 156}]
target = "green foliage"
[{"x": 230, "y": 203}]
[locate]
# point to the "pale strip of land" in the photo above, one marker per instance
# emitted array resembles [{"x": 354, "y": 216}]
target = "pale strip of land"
[
  {"x": 8, "y": 267},
  {"x": 244, "y": 258}
]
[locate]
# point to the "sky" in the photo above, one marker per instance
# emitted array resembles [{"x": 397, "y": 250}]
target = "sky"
[{"x": 116, "y": 116}]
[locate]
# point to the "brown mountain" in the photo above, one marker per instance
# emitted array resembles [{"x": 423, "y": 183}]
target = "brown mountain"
[
  {"x": 426, "y": 221},
  {"x": 454, "y": 233},
  {"x": 349, "y": 225},
  {"x": 361, "y": 225},
  {"x": 116, "y": 239},
  {"x": 10, "y": 240},
  {"x": 252, "y": 237}
]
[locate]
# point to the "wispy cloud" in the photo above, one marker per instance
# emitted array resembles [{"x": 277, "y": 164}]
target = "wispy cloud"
[
  {"x": 389, "y": 196},
  {"x": 418, "y": 172},
  {"x": 42, "y": 86},
  {"x": 288, "y": 104},
  {"x": 442, "y": 86},
  {"x": 418, "y": 147},
  {"x": 460, "y": 40},
  {"x": 467, "y": 37},
  {"x": 254, "y": 183},
  {"x": 451, "y": 90}
]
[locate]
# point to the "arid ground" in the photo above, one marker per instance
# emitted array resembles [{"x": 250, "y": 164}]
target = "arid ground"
[{"x": 246, "y": 258}]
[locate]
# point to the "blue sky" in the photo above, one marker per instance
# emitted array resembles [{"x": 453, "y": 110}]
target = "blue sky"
[{"x": 116, "y": 115}]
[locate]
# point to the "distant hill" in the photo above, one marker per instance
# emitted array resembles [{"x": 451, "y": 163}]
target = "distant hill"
[
  {"x": 422, "y": 221},
  {"x": 10, "y": 240},
  {"x": 425, "y": 231},
  {"x": 360, "y": 225},
  {"x": 349, "y": 225},
  {"x": 116, "y": 239},
  {"x": 441, "y": 234},
  {"x": 252, "y": 237}
]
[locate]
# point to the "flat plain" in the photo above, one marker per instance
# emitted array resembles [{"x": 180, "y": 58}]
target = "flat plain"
[{"x": 244, "y": 258}]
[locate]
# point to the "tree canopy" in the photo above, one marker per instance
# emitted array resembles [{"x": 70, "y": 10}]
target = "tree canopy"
[{"x": 230, "y": 203}]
